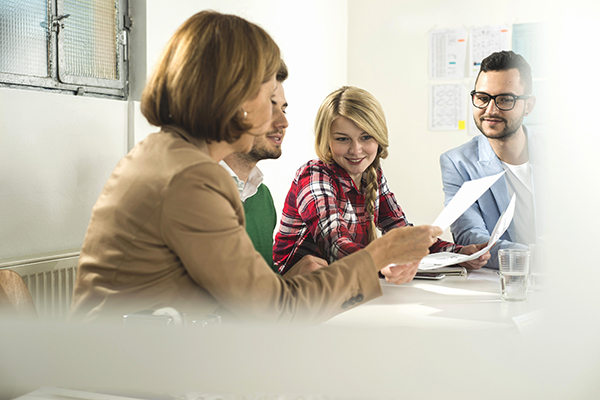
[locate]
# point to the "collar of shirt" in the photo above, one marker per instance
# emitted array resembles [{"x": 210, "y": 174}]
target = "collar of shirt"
[
  {"x": 344, "y": 178},
  {"x": 249, "y": 188}
]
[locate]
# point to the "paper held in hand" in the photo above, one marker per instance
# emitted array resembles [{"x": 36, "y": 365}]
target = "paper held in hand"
[
  {"x": 468, "y": 194},
  {"x": 437, "y": 260}
]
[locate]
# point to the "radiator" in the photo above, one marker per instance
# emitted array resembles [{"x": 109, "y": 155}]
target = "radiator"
[{"x": 50, "y": 281}]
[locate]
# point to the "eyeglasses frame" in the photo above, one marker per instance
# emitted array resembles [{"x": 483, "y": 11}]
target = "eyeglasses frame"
[{"x": 519, "y": 97}]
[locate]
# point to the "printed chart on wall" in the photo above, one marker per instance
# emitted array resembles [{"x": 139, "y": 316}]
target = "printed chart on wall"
[
  {"x": 529, "y": 40},
  {"x": 486, "y": 40},
  {"x": 447, "y": 107},
  {"x": 447, "y": 53}
]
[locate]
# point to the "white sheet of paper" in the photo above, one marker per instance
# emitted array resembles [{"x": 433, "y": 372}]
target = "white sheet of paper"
[
  {"x": 447, "y": 53},
  {"x": 468, "y": 193},
  {"x": 443, "y": 259},
  {"x": 484, "y": 274},
  {"x": 447, "y": 110}
]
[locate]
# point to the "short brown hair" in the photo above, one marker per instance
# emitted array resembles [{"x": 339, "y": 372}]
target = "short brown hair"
[
  {"x": 282, "y": 73},
  {"x": 212, "y": 64},
  {"x": 505, "y": 60}
]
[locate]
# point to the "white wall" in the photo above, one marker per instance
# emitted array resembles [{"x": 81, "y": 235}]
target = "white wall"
[
  {"x": 56, "y": 152},
  {"x": 574, "y": 168}
]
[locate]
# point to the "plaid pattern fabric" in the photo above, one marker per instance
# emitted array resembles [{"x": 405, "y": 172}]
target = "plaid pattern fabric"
[{"x": 324, "y": 215}]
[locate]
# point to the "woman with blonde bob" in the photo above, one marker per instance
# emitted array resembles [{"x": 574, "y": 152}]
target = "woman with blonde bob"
[
  {"x": 168, "y": 228},
  {"x": 337, "y": 202}
]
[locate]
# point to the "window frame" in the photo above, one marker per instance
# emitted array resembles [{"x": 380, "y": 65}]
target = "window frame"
[{"x": 74, "y": 85}]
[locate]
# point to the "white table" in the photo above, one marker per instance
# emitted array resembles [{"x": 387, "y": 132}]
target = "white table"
[{"x": 451, "y": 303}]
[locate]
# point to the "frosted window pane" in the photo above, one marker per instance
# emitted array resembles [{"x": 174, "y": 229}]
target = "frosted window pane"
[
  {"x": 24, "y": 37},
  {"x": 90, "y": 38}
]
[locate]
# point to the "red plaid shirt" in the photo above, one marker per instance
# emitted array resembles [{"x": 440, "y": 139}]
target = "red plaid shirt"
[{"x": 324, "y": 210}]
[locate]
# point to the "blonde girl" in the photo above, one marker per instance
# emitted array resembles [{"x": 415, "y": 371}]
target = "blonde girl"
[{"x": 336, "y": 203}]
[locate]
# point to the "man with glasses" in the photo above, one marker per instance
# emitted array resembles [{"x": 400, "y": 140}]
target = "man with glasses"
[{"x": 501, "y": 99}]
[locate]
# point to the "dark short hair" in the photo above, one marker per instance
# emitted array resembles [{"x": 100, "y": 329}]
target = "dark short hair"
[
  {"x": 210, "y": 67},
  {"x": 282, "y": 73},
  {"x": 505, "y": 60}
]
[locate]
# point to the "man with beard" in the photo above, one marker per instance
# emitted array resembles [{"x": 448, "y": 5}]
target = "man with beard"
[
  {"x": 501, "y": 99},
  {"x": 261, "y": 217}
]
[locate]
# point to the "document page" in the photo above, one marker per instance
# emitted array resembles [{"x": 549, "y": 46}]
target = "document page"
[
  {"x": 447, "y": 53},
  {"x": 437, "y": 260},
  {"x": 447, "y": 111},
  {"x": 468, "y": 194},
  {"x": 484, "y": 274},
  {"x": 484, "y": 41}
]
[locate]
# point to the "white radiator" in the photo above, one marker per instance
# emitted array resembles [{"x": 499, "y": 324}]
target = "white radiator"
[{"x": 50, "y": 281}]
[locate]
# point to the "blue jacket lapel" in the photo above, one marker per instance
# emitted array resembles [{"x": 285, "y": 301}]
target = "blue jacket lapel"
[{"x": 490, "y": 165}]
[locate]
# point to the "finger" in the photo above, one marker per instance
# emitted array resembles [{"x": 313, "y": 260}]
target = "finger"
[
  {"x": 321, "y": 262},
  {"x": 415, "y": 265},
  {"x": 398, "y": 277},
  {"x": 314, "y": 266},
  {"x": 393, "y": 274},
  {"x": 316, "y": 260},
  {"x": 436, "y": 231},
  {"x": 386, "y": 272},
  {"x": 427, "y": 232}
]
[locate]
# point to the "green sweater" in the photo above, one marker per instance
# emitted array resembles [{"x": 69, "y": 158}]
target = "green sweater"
[{"x": 261, "y": 219}]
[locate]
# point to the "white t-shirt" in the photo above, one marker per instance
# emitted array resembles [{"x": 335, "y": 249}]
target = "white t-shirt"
[{"x": 518, "y": 179}]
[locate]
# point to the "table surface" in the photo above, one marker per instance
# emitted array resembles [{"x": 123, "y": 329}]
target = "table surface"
[{"x": 453, "y": 302}]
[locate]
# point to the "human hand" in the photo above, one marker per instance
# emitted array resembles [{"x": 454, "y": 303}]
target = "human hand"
[
  {"x": 478, "y": 262},
  {"x": 402, "y": 246},
  {"x": 307, "y": 264},
  {"x": 400, "y": 274}
]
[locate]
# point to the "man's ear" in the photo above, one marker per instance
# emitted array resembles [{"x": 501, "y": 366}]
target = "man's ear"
[{"x": 530, "y": 105}]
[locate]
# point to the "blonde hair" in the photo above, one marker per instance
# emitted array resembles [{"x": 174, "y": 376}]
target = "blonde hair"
[
  {"x": 362, "y": 108},
  {"x": 213, "y": 64}
]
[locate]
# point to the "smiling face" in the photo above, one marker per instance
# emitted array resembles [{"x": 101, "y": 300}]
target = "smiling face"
[
  {"x": 269, "y": 146},
  {"x": 492, "y": 122},
  {"x": 352, "y": 148}
]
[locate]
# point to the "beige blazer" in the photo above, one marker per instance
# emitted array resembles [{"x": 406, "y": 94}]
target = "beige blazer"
[{"x": 168, "y": 230}]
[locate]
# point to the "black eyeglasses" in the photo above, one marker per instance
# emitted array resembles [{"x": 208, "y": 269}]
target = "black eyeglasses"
[{"x": 504, "y": 102}]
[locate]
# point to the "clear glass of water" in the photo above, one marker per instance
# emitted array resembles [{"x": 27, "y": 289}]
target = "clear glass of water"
[{"x": 514, "y": 271}]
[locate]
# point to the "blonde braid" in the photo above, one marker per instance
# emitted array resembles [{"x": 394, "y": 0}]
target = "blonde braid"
[{"x": 370, "y": 197}]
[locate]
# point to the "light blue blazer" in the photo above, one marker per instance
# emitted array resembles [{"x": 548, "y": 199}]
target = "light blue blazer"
[{"x": 473, "y": 160}]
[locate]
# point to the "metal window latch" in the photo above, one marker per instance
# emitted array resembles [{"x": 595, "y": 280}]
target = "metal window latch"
[
  {"x": 123, "y": 35},
  {"x": 127, "y": 22},
  {"x": 56, "y": 22},
  {"x": 122, "y": 39}
]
